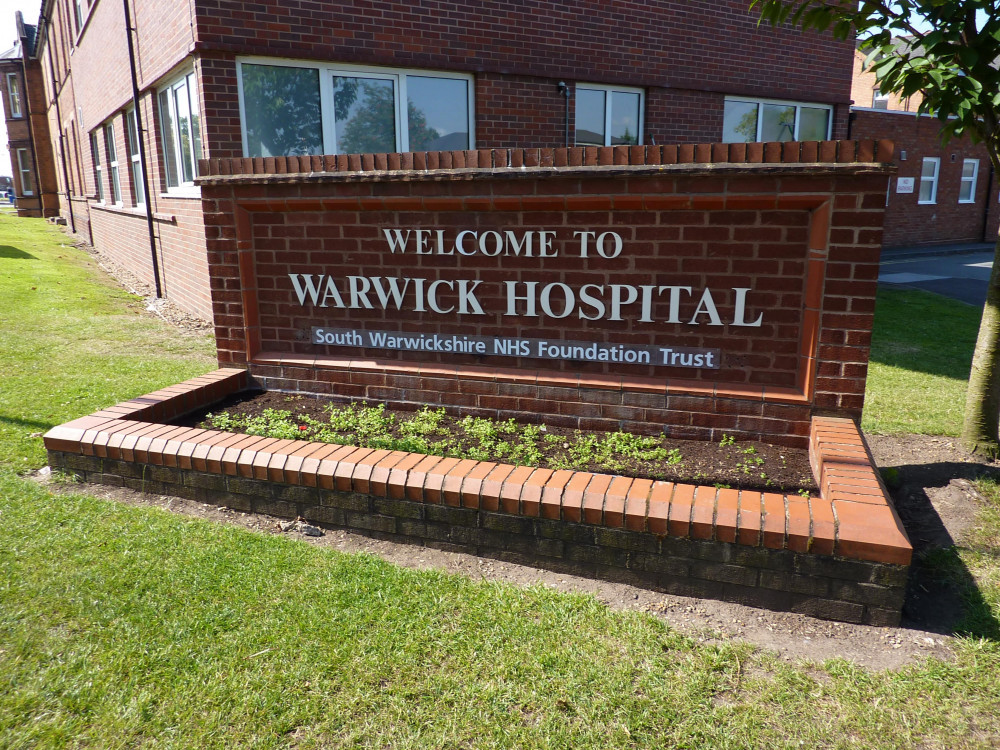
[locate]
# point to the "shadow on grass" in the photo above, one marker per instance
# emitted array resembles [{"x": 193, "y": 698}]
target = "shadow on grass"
[
  {"x": 19, "y": 422},
  {"x": 923, "y": 332},
  {"x": 942, "y": 595},
  {"x": 6, "y": 251}
]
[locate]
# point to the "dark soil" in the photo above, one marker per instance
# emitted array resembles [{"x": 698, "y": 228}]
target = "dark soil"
[{"x": 748, "y": 465}]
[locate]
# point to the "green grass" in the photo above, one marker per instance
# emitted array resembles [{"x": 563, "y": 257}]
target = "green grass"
[
  {"x": 71, "y": 344},
  {"x": 921, "y": 353},
  {"x": 124, "y": 627}
]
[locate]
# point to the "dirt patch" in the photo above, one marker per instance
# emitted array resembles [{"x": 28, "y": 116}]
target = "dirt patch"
[
  {"x": 935, "y": 497},
  {"x": 931, "y": 480},
  {"x": 750, "y": 465}
]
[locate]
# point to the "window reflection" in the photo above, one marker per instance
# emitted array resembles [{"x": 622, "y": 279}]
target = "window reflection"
[
  {"x": 437, "y": 113},
  {"x": 282, "y": 111},
  {"x": 365, "y": 113},
  {"x": 589, "y": 117}
]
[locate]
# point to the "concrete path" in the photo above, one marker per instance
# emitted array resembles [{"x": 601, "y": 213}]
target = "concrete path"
[{"x": 960, "y": 271}]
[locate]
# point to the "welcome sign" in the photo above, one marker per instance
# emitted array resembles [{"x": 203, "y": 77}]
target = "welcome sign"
[{"x": 538, "y": 294}]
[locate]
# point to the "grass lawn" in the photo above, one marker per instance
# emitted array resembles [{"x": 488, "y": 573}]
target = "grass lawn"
[
  {"x": 921, "y": 353},
  {"x": 123, "y": 627}
]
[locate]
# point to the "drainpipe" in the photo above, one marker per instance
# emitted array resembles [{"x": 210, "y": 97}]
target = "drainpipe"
[
  {"x": 62, "y": 141},
  {"x": 564, "y": 90},
  {"x": 137, "y": 104}
]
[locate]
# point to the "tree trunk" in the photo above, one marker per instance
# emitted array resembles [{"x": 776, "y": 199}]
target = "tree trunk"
[{"x": 982, "y": 404}]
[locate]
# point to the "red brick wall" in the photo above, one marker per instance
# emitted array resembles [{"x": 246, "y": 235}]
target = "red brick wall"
[
  {"x": 908, "y": 222},
  {"x": 805, "y": 240},
  {"x": 687, "y": 55}
]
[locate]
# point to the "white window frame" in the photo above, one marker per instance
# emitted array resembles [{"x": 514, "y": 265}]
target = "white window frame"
[
  {"x": 172, "y": 140},
  {"x": 14, "y": 90},
  {"x": 95, "y": 154},
  {"x": 970, "y": 181},
  {"x": 116, "y": 183},
  {"x": 934, "y": 180},
  {"x": 78, "y": 15},
  {"x": 329, "y": 71},
  {"x": 781, "y": 102},
  {"x": 608, "y": 92},
  {"x": 24, "y": 168},
  {"x": 135, "y": 168}
]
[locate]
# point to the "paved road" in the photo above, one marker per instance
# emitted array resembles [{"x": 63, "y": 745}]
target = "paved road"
[{"x": 960, "y": 276}]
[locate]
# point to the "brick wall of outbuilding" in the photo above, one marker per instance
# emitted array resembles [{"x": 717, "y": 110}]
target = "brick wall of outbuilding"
[{"x": 908, "y": 222}]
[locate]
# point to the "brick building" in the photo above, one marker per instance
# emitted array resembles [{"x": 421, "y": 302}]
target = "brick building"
[
  {"x": 223, "y": 80},
  {"x": 943, "y": 193},
  {"x": 34, "y": 180}
]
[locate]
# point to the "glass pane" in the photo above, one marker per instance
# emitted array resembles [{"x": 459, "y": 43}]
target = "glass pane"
[
  {"x": 365, "y": 111},
  {"x": 624, "y": 118},
  {"x": 589, "y": 117},
  {"x": 110, "y": 135},
  {"x": 24, "y": 166},
  {"x": 282, "y": 111},
  {"x": 437, "y": 113},
  {"x": 116, "y": 186},
  {"x": 739, "y": 123},
  {"x": 928, "y": 169},
  {"x": 133, "y": 145},
  {"x": 777, "y": 123},
  {"x": 968, "y": 169},
  {"x": 137, "y": 188},
  {"x": 814, "y": 124},
  {"x": 192, "y": 89},
  {"x": 183, "y": 114},
  {"x": 926, "y": 191},
  {"x": 167, "y": 131},
  {"x": 965, "y": 191}
]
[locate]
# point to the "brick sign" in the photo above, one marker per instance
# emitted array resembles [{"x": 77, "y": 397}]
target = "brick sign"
[{"x": 743, "y": 283}]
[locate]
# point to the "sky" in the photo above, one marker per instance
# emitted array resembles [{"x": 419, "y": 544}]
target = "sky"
[{"x": 8, "y": 35}]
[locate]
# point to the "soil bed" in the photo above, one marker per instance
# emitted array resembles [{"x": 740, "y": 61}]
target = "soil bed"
[{"x": 747, "y": 465}]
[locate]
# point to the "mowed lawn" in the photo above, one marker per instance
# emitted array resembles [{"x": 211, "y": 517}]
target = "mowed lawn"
[{"x": 124, "y": 627}]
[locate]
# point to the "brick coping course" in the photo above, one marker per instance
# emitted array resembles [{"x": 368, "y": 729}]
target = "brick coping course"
[
  {"x": 855, "y": 155},
  {"x": 852, "y": 518}
]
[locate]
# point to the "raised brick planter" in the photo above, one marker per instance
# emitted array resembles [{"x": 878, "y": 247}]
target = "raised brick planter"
[{"x": 843, "y": 555}]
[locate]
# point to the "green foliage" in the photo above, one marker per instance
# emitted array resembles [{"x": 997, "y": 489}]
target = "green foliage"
[
  {"x": 475, "y": 438},
  {"x": 953, "y": 65}
]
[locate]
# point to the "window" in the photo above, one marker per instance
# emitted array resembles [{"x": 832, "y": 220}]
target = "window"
[
  {"x": 180, "y": 127},
  {"x": 929, "y": 179},
  {"x": 116, "y": 184},
  {"x": 748, "y": 120},
  {"x": 880, "y": 100},
  {"x": 95, "y": 150},
  {"x": 78, "y": 14},
  {"x": 298, "y": 110},
  {"x": 135, "y": 169},
  {"x": 967, "y": 188},
  {"x": 608, "y": 116},
  {"x": 15, "y": 95},
  {"x": 24, "y": 168}
]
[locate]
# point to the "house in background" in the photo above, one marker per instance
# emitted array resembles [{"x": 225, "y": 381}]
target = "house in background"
[
  {"x": 942, "y": 193},
  {"x": 23, "y": 94},
  {"x": 227, "y": 79}
]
